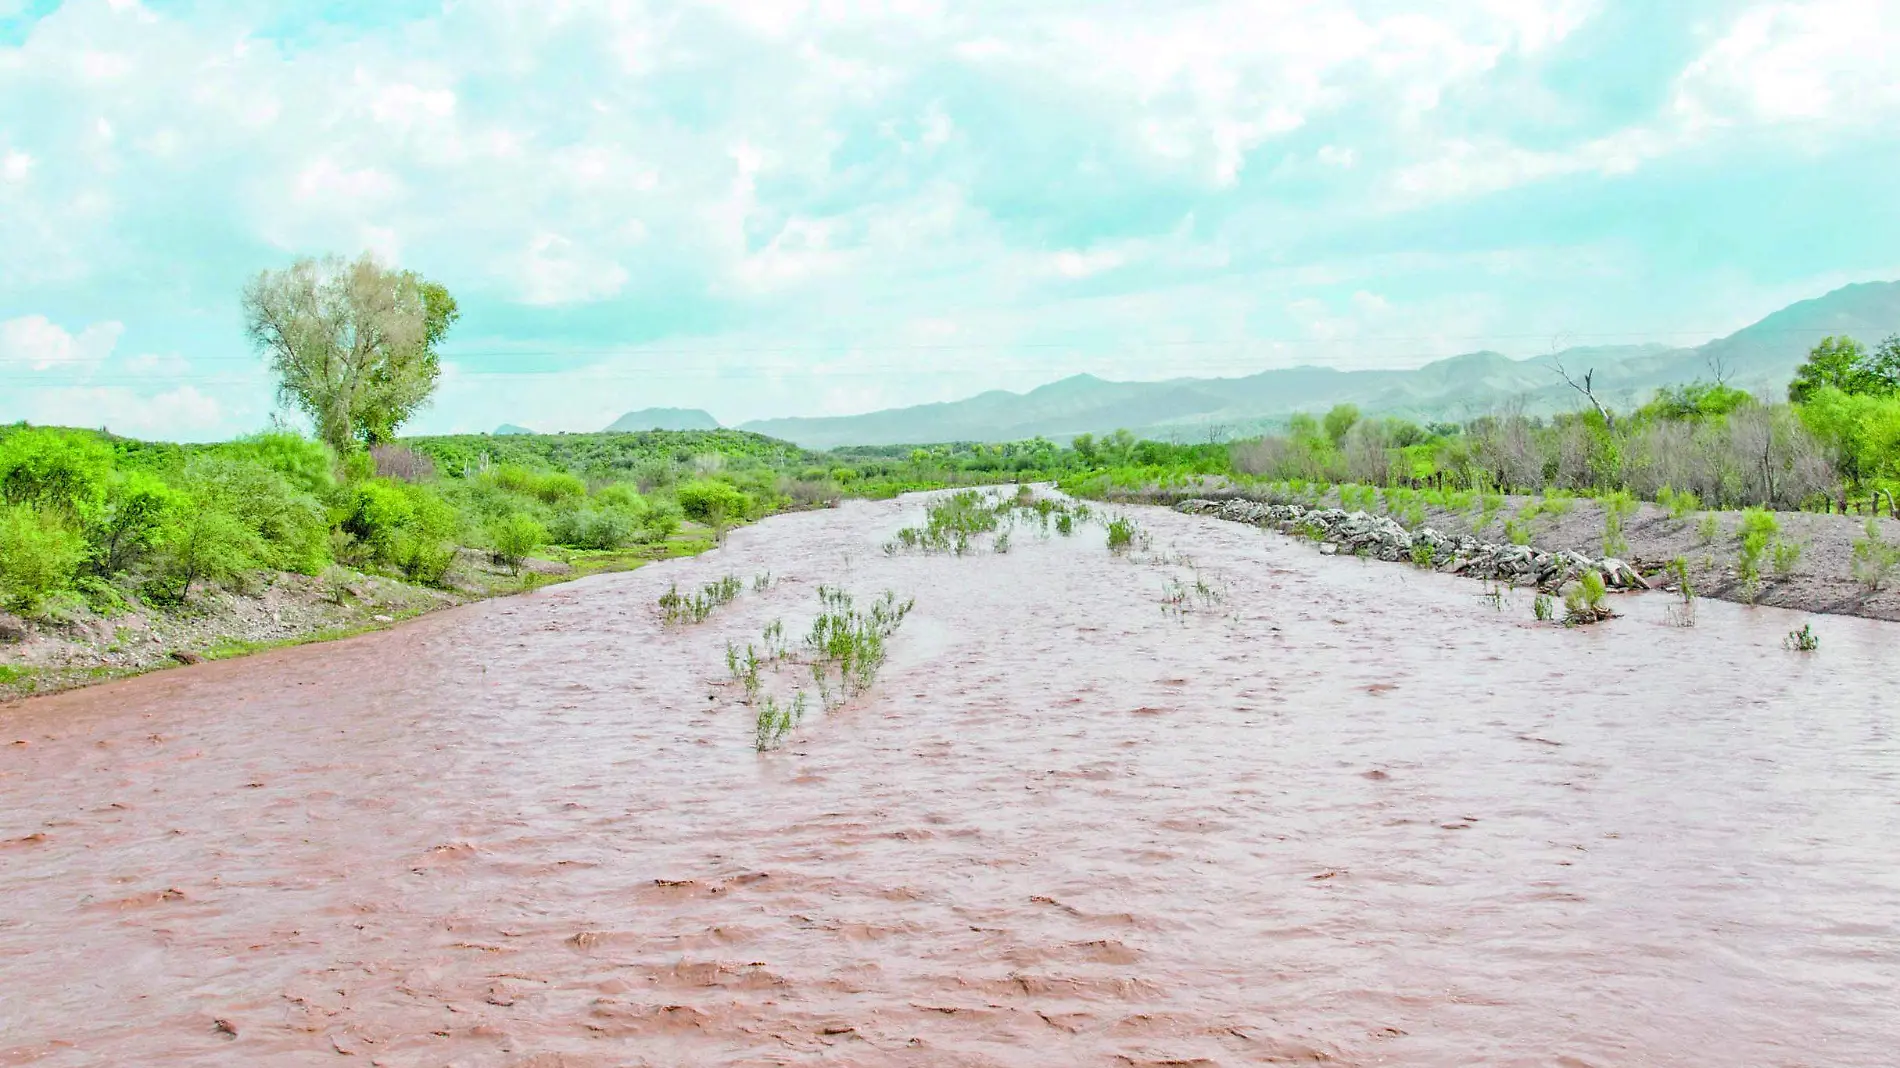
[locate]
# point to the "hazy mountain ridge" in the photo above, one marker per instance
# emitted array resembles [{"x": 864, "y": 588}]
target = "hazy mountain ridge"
[
  {"x": 664, "y": 419},
  {"x": 1761, "y": 357}
]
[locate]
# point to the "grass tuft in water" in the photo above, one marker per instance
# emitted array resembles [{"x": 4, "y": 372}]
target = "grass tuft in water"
[
  {"x": 1584, "y": 601},
  {"x": 1803, "y": 640},
  {"x": 677, "y": 608}
]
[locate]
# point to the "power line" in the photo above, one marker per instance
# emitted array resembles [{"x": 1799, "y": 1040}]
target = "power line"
[{"x": 843, "y": 349}]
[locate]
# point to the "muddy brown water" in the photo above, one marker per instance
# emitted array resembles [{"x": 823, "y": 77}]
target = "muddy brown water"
[{"x": 1354, "y": 813}]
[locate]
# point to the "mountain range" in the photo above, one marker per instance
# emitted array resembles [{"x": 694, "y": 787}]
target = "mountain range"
[{"x": 1760, "y": 358}]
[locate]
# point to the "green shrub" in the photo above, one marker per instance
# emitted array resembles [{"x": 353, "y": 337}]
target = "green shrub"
[
  {"x": 1680, "y": 503},
  {"x": 39, "y": 556},
  {"x": 1874, "y": 558},
  {"x": 712, "y": 502},
  {"x": 292, "y": 528},
  {"x": 549, "y": 487},
  {"x": 619, "y": 495},
  {"x": 404, "y": 525},
  {"x": 559, "y": 487},
  {"x": 309, "y": 465},
  {"x": 1583, "y": 601},
  {"x": 594, "y": 528},
  {"x": 56, "y": 472},
  {"x": 1758, "y": 530},
  {"x": 1617, "y": 507},
  {"x": 1786, "y": 555},
  {"x": 206, "y": 542},
  {"x": 515, "y": 538},
  {"x": 374, "y": 513},
  {"x": 138, "y": 507}
]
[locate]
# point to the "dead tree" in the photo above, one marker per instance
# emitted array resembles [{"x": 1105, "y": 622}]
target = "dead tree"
[{"x": 1586, "y": 387}]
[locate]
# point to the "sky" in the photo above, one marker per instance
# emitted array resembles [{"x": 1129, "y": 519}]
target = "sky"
[{"x": 806, "y": 207}]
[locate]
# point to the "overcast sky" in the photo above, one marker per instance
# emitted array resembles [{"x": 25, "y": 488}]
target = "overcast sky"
[{"x": 767, "y": 207}]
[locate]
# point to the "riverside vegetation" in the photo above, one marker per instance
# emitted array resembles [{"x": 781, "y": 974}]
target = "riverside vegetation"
[{"x": 843, "y": 653}]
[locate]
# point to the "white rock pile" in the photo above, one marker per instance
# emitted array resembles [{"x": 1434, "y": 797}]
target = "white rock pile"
[{"x": 1381, "y": 537}]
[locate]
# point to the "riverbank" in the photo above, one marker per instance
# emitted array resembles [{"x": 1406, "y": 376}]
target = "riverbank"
[
  {"x": 1821, "y": 578},
  {"x": 80, "y": 644}
]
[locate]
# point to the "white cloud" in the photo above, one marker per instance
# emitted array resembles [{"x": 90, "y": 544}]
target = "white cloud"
[
  {"x": 15, "y": 166},
  {"x": 1073, "y": 264},
  {"x": 38, "y": 343},
  {"x": 183, "y": 412},
  {"x": 1822, "y": 61},
  {"x": 556, "y": 270}
]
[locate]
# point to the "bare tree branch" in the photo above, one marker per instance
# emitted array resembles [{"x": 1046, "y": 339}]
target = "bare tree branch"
[{"x": 1586, "y": 386}]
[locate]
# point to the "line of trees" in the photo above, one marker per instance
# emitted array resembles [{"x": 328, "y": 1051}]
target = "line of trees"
[{"x": 1838, "y": 434}]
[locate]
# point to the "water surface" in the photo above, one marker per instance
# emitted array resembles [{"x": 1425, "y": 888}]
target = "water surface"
[{"x": 1352, "y": 813}]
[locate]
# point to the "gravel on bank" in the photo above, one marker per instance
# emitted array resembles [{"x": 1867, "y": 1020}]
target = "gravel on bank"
[{"x": 1822, "y": 579}]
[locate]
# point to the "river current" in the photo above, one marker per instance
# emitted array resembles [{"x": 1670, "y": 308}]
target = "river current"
[{"x": 1330, "y": 811}]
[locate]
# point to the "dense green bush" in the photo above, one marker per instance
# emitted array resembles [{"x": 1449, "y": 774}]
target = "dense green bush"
[
  {"x": 56, "y": 471},
  {"x": 139, "y": 507},
  {"x": 712, "y": 502},
  {"x": 291, "y": 526},
  {"x": 206, "y": 542},
  {"x": 514, "y": 538},
  {"x": 407, "y": 526},
  {"x": 39, "y": 556},
  {"x": 310, "y": 466}
]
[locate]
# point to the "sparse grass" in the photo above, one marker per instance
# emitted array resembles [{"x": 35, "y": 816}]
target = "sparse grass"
[
  {"x": 1681, "y": 504},
  {"x": 775, "y": 721},
  {"x": 1786, "y": 556},
  {"x": 1874, "y": 559},
  {"x": 761, "y": 582},
  {"x": 1179, "y": 597},
  {"x": 1682, "y": 613},
  {"x": 1757, "y": 534},
  {"x": 1803, "y": 640},
  {"x": 1709, "y": 528},
  {"x": 1422, "y": 556},
  {"x": 1584, "y": 601},
  {"x": 1617, "y": 508},
  {"x": 1493, "y": 593},
  {"x": 1518, "y": 531},
  {"x": 1543, "y": 608},
  {"x": 677, "y": 608},
  {"x": 1122, "y": 533},
  {"x": 1488, "y": 507},
  {"x": 956, "y": 524},
  {"x": 850, "y": 642}
]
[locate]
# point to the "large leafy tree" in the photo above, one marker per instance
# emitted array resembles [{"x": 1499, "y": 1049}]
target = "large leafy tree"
[
  {"x": 1846, "y": 365},
  {"x": 353, "y": 344}
]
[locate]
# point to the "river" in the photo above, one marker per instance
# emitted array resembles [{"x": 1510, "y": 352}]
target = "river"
[{"x": 1350, "y": 812}]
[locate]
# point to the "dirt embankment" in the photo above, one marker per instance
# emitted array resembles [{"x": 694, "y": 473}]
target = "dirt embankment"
[
  {"x": 77, "y": 645},
  {"x": 1822, "y": 577}
]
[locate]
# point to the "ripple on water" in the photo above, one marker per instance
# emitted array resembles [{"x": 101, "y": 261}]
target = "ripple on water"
[{"x": 1354, "y": 813}]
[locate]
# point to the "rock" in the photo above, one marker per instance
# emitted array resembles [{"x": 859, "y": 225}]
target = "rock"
[
  {"x": 186, "y": 656},
  {"x": 12, "y": 628},
  {"x": 384, "y": 619},
  {"x": 1328, "y": 549}
]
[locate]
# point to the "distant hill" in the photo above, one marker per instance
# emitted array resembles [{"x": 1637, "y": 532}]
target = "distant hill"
[
  {"x": 509, "y": 428},
  {"x": 664, "y": 419},
  {"x": 1761, "y": 357}
]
